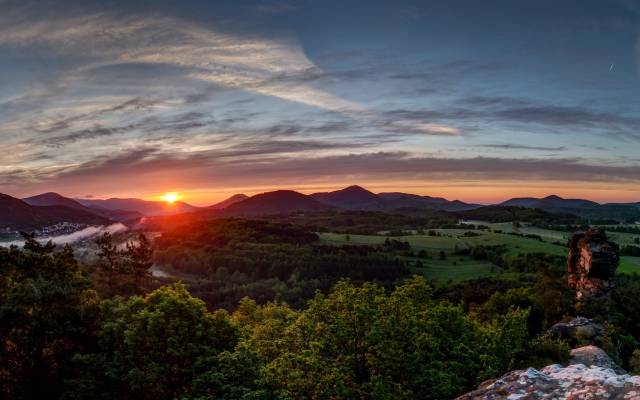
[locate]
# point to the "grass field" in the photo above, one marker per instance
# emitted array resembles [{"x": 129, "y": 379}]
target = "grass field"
[
  {"x": 454, "y": 267},
  {"x": 459, "y": 268},
  {"x": 629, "y": 265}
]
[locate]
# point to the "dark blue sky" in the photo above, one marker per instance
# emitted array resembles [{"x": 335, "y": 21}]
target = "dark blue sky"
[{"x": 479, "y": 100}]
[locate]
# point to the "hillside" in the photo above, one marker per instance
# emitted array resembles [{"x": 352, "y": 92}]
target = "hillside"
[
  {"x": 521, "y": 214},
  {"x": 351, "y": 198},
  {"x": 585, "y": 208},
  {"x": 229, "y": 201},
  {"x": 18, "y": 215},
  {"x": 144, "y": 207},
  {"x": 279, "y": 201},
  {"x": 358, "y": 198},
  {"x": 55, "y": 199},
  {"x": 548, "y": 202}
]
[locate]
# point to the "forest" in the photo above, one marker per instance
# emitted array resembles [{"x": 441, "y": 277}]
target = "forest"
[{"x": 277, "y": 314}]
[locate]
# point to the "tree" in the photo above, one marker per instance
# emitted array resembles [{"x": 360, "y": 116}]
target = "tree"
[
  {"x": 47, "y": 310},
  {"x": 109, "y": 261},
  {"x": 359, "y": 342},
  {"x": 118, "y": 266},
  {"x": 139, "y": 259},
  {"x": 154, "y": 347}
]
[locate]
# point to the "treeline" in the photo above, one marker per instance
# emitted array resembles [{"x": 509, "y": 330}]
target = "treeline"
[
  {"x": 368, "y": 222},
  {"x": 521, "y": 262},
  {"x": 61, "y": 340},
  {"x": 533, "y": 216}
]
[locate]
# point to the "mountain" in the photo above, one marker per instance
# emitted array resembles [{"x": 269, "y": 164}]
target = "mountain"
[
  {"x": 357, "y": 198},
  {"x": 583, "y": 208},
  {"x": 16, "y": 214},
  {"x": 636, "y": 205},
  {"x": 351, "y": 198},
  {"x": 279, "y": 201},
  {"x": 55, "y": 199},
  {"x": 548, "y": 202},
  {"x": 397, "y": 200},
  {"x": 144, "y": 207},
  {"x": 227, "y": 202}
]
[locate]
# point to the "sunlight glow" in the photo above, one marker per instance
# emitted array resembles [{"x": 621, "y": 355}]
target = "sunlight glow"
[{"x": 170, "y": 197}]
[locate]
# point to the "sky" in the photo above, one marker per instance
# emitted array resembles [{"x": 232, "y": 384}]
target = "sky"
[{"x": 473, "y": 100}]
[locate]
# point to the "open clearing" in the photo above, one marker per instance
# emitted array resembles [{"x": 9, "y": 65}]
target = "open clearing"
[{"x": 461, "y": 267}]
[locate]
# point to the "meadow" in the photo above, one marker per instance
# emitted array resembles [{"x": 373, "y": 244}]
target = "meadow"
[{"x": 456, "y": 267}]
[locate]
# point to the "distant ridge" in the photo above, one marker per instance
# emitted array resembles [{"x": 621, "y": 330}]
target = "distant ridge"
[
  {"x": 351, "y": 198},
  {"x": 229, "y": 201},
  {"x": 398, "y": 200},
  {"x": 584, "y": 208},
  {"x": 144, "y": 207},
  {"x": 279, "y": 201},
  {"x": 552, "y": 201},
  {"x": 55, "y": 199},
  {"x": 16, "y": 214},
  {"x": 358, "y": 198}
]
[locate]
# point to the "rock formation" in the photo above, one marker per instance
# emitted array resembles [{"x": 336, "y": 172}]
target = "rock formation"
[
  {"x": 591, "y": 374},
  {"x": 592, "y": 262},
  {"x": 579, "y": 329}
]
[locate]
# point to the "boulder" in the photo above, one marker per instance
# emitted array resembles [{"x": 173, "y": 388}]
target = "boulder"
[
  {"x": 591, "y": 375},
  {"x": 591, "y": 264},
  {"x": 579, "y": 329},
  {"x": 593, "y": 356}
]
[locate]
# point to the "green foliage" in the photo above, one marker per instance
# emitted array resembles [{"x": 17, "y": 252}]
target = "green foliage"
[
  {"x": 266, "y": 261},
  {"x": 46, "y": 310},
  {"x": 153, "y": 347},
  {"x": 123, "y": 271},
  {"x": 359, "y": 342},
  {"x": 635, "y": 362}
]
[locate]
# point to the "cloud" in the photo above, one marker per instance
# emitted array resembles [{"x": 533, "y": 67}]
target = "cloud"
[
  {"x": 510, "y": 146},
  {"x": 250, "y": 166}
]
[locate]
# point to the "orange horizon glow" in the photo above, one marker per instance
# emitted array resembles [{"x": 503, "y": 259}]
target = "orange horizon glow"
[
  {"x": 170, "y": 197},
  {"x": 470, "y": 192}
]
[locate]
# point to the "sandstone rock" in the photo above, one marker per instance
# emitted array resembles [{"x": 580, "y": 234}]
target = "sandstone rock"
[
  {"x": 594, "y": 356},
  {"x": 578, "y": 329},
  {"x": 592, "y": 262},
  {"x": 575, "y": 381}
]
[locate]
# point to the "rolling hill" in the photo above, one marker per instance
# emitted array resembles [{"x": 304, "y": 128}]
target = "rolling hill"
[
  {"x": 351, "y": 198},
  {"x": 227, "y": 202},
  {"x": 279, "y": 201},
  {"x": 16, "y": 214},
  {"x": 55, "y": 199},
  {"x": 358, "y": 198},
  {"x": 144, "y": 207},
  {"x": 584, "y": 208},
  {"x": 548, "y": 202}
]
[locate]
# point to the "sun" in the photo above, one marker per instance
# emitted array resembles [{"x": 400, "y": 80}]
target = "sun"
[{"x": 170, "y": 197}]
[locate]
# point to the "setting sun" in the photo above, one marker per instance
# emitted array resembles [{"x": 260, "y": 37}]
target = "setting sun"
[{"x": 170, "y": 197}]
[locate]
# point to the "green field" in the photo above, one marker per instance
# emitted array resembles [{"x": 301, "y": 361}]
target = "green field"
[
  {"x": 452, "y": 238},
  {"x": 629, "y": 265},
  {"x": 454, "y": 267},
  {"x": 458, "y": 268}
]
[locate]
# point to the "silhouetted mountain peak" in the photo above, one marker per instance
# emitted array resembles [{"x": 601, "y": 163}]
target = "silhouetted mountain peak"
[{"x": 229, "y": 201}]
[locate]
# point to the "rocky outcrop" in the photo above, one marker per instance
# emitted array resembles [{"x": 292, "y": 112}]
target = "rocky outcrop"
[
  {"x": 590, "y": 375},
  {"x": 592, "y": 263},
  {"x": 577, "y": 330}
]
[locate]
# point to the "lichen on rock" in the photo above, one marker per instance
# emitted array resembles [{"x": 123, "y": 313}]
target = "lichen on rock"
[{"x": 591, "y": 375}]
